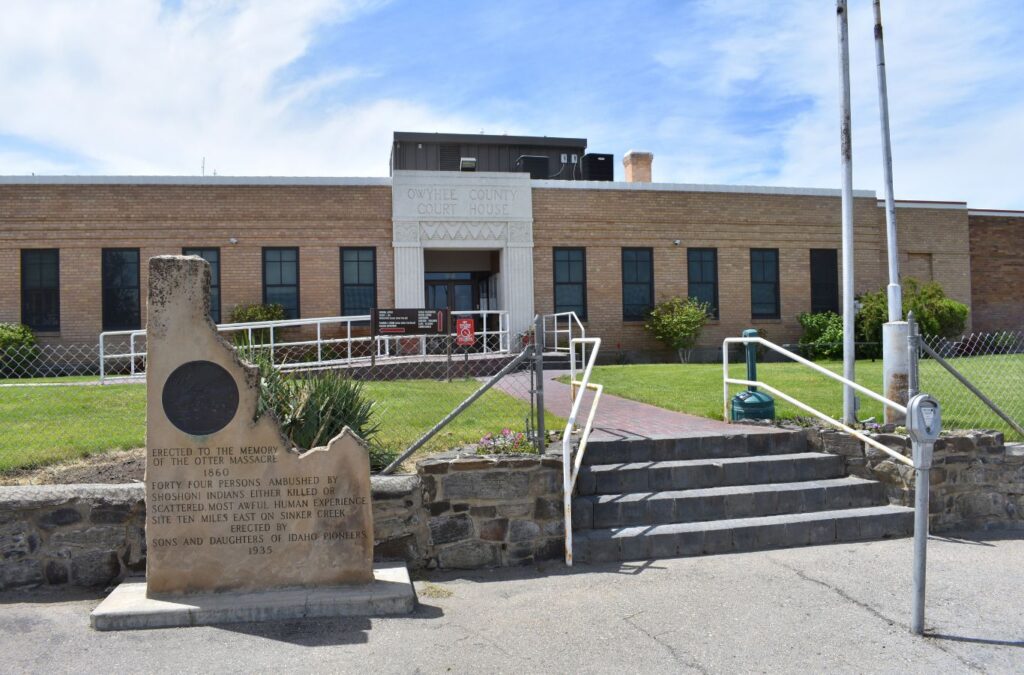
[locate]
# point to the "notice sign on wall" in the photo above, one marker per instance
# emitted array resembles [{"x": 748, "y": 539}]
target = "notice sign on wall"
[
  {"x": 465, "y": 332},
  {"x": 410, "y": 322}
]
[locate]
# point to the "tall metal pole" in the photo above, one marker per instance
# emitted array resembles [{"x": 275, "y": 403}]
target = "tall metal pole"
[
  {"x": 895, "y": 296},
  {"x": 894, "y": 332},
  {"x": 846, "y": 143}
]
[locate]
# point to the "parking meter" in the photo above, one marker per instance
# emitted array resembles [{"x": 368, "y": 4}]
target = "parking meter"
[{"x": 924, "y": 421}]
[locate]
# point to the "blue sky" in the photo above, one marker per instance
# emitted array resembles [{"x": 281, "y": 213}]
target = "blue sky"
[{"x": 723, "y": 91}]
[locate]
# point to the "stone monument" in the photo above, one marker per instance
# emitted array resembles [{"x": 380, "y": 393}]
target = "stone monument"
[{"x": 239, "y": 524}]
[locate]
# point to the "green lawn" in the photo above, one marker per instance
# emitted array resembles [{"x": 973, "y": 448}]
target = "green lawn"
[
  {"x": 697, "y": 388},
  {"x": 44, "y": 425}
]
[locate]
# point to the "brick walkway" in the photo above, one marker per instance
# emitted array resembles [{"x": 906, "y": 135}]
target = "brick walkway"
[{"x": 622, "y": 419}]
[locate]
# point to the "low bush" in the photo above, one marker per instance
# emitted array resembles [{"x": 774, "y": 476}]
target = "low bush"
[
  {"x": 823, "y": 335},
  {"x": 313, "y": 410},
  {"x": 677, "y": 323},
  {"x": 251, "y": 313},
  {"x": 936, "y": 314},
  {"x": 18, "y": 349}
]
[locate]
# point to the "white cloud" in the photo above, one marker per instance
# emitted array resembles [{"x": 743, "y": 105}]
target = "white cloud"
[
  {"x": 132, "y": 87},
  {"x": 955, "y": 88}
]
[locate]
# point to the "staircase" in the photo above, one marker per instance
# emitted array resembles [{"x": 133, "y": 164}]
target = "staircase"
[{"x": 641, "y": 499}]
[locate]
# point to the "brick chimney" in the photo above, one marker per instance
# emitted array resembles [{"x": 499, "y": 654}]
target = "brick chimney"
[{"x": 638, "y": 166}]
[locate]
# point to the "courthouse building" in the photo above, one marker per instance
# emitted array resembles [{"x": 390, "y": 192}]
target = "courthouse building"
[{"x": 520, "y": 224}]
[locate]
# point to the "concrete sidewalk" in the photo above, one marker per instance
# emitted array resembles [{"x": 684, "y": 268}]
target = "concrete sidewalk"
[{"x": 838, "y": 608}]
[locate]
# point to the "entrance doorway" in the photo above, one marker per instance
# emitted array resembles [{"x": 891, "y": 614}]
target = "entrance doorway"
[
  {"x": 458, "y": 291},
  {"x": 466, "y": 282}
]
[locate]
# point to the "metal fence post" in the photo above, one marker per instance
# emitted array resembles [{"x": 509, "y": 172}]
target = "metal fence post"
[
  {"x": 538, "y": 370},
  {"x": 912, "y": 351}
]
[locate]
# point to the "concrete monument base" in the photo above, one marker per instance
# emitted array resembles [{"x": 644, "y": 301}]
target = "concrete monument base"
[{"x": 127, "y": 607}]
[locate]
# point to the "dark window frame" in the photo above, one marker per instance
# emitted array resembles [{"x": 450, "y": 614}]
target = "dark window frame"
[
  {"x": 626, "y": 316},
  {"x": 819, "y": 287},
  {"x": 215, "y": 313},
  {"x": 556, "y": 283},
  {"x": 109, "y": 323},
  {"x": 41, "y": 293},
  {"x": 715, "y": 310},
  {"x": 777, "y": 301},
  {"x": 373, "y": 284},
  {"x": 297, "y": 284}
]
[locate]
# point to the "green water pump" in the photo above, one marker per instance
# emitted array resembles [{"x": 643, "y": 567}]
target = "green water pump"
[{"x": 752, "y": 404}]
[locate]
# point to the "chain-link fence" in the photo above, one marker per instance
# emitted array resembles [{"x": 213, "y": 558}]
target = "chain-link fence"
[
  {"x": 993, "y": 363},
  {"x": 53, "y": 406}
]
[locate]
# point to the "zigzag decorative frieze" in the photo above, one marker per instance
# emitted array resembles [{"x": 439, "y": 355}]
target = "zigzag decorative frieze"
[{"x": 456, "y": 231}]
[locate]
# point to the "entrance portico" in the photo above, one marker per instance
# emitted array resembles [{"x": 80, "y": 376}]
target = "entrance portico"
[{"x": 451, "y": 222}]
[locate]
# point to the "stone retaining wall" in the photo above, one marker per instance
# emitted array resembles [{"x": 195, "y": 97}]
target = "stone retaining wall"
[
  {"x": 456, "y": 512},
  {"x": 977, "y": 480},
  {"x": 80, "y": 535},
  {"x": 493, "y": 511}
]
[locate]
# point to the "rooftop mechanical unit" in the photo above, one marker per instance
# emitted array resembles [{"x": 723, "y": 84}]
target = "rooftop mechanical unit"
[
  {"x": 598, "y": 167},
  {"x": 535, "y": 165}
]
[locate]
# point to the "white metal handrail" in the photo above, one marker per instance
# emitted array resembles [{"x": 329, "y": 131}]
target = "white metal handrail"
[
  {"x": 494, "y": 327},
  {"x": 570, "y": 321},
  {"x": 726, "y": 381},
  {"x": 487, "y": 328},
  {"x": 570, "y": 468}
]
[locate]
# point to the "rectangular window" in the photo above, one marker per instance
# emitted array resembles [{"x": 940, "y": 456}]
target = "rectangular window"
[
  {"x": 637, "y": 283},
  {"x": 212, "y": 256},
  {"x": 121, "y": 300},
  {"x": 824, "y": 280},
  {"x": 40, "y": 289},
  {"x": 281, "y": 279},
  {"x": 571, "y": 281},
  {"x": 702, "y": 275},
  {"x": 764, "y": 283},
  {"x": 358, "y": 281}
]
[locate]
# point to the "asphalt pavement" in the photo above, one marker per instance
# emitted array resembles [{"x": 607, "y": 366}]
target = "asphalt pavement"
[{"x": 841, "y": 608}]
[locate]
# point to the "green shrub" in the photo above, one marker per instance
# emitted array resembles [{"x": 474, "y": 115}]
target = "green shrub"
[
  {"x": 823, "y": 335},
  {"x": 251, "y": 313},
  {"x": 934, "y": 312},
  {"x": 313, "y": 410},
  {"x": 18, "y": 349},
  {"x": 677, "y": 323}
]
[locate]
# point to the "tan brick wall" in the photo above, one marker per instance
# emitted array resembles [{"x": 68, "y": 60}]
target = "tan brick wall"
[
  {"x": 934, "y": 246},
  {"x": 157, "y": 219},
  {"x": 606, "y": 220},
  {"x": 997, "y": 273},
  {"x": 81, "y": 220}
]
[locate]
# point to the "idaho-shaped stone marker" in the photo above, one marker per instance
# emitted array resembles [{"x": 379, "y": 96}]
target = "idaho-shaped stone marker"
[{"x": 230, "y": 504}]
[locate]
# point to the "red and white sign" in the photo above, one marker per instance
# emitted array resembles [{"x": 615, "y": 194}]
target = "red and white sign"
[{"x": 465, "y": 332}]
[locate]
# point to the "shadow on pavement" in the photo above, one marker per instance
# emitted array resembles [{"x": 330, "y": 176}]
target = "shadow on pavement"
[
  {"x": 323, "y": 632},
  {"x": 978, "y": 641}
]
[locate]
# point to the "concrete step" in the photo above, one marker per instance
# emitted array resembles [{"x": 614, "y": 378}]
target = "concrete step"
[
  {"x": 742, "y": 534},
  {"x": 740, "y": 444},
  {"x": 730, "y": 502},
  {"x": 614, "y": 479}
]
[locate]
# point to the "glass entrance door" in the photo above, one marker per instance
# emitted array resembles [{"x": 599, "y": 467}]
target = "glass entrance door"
[{"x": 452, "y": 290}]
